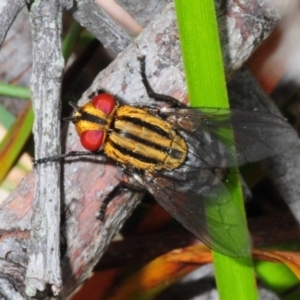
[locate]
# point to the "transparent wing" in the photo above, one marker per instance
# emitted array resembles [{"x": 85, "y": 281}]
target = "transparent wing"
[
  {"x": 194, "y": 194},
  {"x": 232, "y": 137},
  {"x": 202, "y": 204}
]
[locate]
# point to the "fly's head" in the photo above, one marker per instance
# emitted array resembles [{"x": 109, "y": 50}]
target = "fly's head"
[{"x": 93, "y": 120}]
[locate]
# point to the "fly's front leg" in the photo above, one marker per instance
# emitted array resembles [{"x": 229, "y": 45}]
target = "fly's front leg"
[
  {"x": 170, "y": 101},
  {"x": 61, "y": 156}
]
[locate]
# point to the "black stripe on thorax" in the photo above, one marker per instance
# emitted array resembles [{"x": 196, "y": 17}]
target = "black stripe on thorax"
[
  {"x": 92, "y": 118},
  {"x": 154, "y": 128},
  {"x": 140, "y": 140},
  {"x": 137, "y": 156}
]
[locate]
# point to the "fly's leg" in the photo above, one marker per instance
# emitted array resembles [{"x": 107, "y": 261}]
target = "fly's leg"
[
  {"x": 109, "y": 197},
  {"x": 122, "y": 185},
  {"x": 172, "y": 102},
  {"x": 61, "y": 156}
]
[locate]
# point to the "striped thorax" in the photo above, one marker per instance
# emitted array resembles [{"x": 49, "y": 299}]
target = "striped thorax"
[{"x": 144, "y": 141}]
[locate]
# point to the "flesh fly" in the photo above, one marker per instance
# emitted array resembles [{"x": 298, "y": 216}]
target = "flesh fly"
[{"x": 181, "y": 156}]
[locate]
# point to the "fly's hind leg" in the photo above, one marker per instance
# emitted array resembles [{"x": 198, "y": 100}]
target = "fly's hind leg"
[
  {"x": 122, "y": 185},
  {"x": 170, "y": 101},
  {"x": 109, "y": 197}
]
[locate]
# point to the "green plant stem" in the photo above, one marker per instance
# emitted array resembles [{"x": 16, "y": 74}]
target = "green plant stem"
[{"x": 207, "y": 88}]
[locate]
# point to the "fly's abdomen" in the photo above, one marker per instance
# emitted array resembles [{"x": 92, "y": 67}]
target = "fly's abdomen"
[{"x": 144, "y": 141}]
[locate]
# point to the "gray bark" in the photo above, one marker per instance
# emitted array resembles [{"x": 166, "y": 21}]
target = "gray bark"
[
  {"x": 48, "y": 65},
  {"x": 96, "y": 20},
  {"x": 8, "y": 12}
]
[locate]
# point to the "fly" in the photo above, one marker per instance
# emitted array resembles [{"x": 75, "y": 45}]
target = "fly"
[{"x": 181, "y": 155}]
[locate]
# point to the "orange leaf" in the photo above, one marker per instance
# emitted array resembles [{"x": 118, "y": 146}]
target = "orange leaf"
[
  {"x": 162, "y": 272},
  {"x": 15, "y": 139}
]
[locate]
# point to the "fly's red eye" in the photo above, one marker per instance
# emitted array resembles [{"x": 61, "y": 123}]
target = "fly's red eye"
[
  {"x": 105, "y": 102},
  {"x": 92, "y": 139}
]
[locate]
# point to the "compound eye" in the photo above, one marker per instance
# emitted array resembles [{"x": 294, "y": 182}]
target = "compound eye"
[
  {"x": 92, "y": 139},
  {"x": 104, "y": 102}
]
